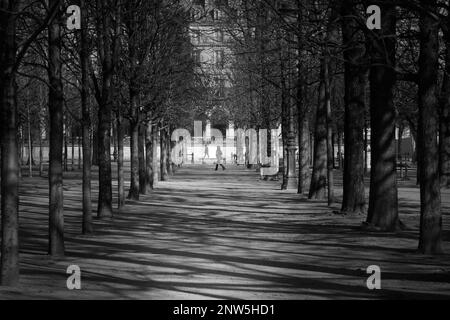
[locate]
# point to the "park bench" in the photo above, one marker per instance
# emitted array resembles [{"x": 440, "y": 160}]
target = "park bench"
[{"x": 268, "y": 172}]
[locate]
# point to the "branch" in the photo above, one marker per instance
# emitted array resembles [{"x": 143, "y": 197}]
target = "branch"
[{"x": 27, "y": 43}]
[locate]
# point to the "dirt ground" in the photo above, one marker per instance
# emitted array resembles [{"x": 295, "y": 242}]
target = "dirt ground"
[{"x": 225, "y": 235}]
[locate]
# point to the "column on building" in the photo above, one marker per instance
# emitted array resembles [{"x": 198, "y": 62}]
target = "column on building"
[{"x": 230, "y": 147}]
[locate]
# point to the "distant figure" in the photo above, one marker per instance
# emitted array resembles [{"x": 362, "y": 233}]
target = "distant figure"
[
  {"x": 181, "y": 155},
  {"x": 206, "y": 155},
  {"x": 219, "y": 155}
]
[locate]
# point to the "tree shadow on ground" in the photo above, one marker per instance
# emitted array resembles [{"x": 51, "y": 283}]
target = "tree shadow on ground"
[{"x": 197, "y": 236}]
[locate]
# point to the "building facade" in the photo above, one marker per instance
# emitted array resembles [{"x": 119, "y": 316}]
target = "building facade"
[{"x": 213, "y": 56}]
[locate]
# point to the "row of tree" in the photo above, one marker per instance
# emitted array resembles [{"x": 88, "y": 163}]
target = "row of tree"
[
  {"x": 129, "y": 67},
  {"x": 345, "y": 80},
  {"x": 311, "y": 66}
]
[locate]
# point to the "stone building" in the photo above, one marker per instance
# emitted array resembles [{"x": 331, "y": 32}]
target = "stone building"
[{"x": 210, "y": 40}]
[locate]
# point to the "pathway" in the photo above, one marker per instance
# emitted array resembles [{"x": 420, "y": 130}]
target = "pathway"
[{"x": 224, "y": 235}]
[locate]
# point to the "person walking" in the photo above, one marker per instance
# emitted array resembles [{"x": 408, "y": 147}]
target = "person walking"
[
  {"x": 206, "y": 155},
  {"x": 219, "y": 155}
]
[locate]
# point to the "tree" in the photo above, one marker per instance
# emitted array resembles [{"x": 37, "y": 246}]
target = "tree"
[
  {"x": 155, "y": 34},
  {"x": 9, "y": 275},
  {"x": 86, "y": 121},
  {"x": 302, "y": 119},
  {"x": 11, "y": 57},
  {"x": 154, "y": 153},
  {"x": 56, "y": 112},
  {"x": 430, "y": 193},
  {"x": 319, "y": 176},
  {"x": 444, "y": 133},
  {"x": 164, "y": 132},
  {"x": 120, "y": 161},
  {"x": 383, "y": 201},
  {"x": 354, "y": 198},
  {"x": 107, "y": 59},
  {"x": 331, "y": 41},
  {"x": 149, "y": 161},
  {"x": 142, "y": 164},
  {"x": 134, "y": 24}
]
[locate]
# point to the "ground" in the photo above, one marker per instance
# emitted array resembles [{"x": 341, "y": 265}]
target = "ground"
[{"x": 224, "y": 235}]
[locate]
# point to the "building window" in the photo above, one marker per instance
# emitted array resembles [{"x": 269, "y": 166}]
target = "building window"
[
  {"x": 217, "y": 14},
  {"x": 219, "y": 59},
  {"x": 196, "y": 37},
  {"x": 199, "y": 37},
  {"x": 219, "y": 36},
  {"x": 219, "y": 87},
  {"x": 198, "y": 56}
]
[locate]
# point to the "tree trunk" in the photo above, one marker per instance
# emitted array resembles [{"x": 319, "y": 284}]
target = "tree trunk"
[
  {"x": 9, "y": 181},
  {"x": 164, "y": 174},
  {"x": 73, "y": 150},
  {"x": 134, "y": 112},
  {"x": 94, "y": 148},
  {"x": 20, "y": 144},
  {"x": 332, "y": 37},
  {"x": 366, "y": 148},
  {"x": 444, "y": 133},
  {"x": 339, "y": 153},
  {"x": 319, "y": 176},
  {"x": 41, "y": 151},
  {"x": 430, "y": 192},
  {"x": 399, "y": 143},
  {"x": 87, "y": 227},
  {"x": 330, "y": 158},
  {"x": 79, "y": 143},
  {"x": 30, "y": 145},
  {"x": 304, "y": 155},
  {"x": 9, "y": 264},
  {"x": 170, "y": 171},
  {"x": 285, "y": 119},
  {"x": 66, "y": 153},
  {"x": 134, "y": 185},
  {"x": 149, "y": 161},
  {"x": 120, "y": 160},
  {"x": 56, "y": 110},
  {"x": 104, "y": 116},
  {"x": 156, "y": 160},
  {"x": 104, "y": 158},
  {"x": 383, "y": 203},
  {"x": 303, "y": 123},
  {"x": 354, "y": 197},
  {"x": 413, "y": 129},
  {"x": 115, "y": 142},
  {"x": 284, "y": 184},
  {"x": 333, "y": 149},
  {"x": 141, "y": 152}
]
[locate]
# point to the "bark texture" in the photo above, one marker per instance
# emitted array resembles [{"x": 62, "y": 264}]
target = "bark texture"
[
  {"x": 56, "y": 111},
  {"x": 355, "y": 79},
  {"x": 383, "y": 202},
  {"x": 430, "y": 191}
]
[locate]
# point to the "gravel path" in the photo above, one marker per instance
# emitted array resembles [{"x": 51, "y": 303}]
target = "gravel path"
[{"x": 224, "y": 235}]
